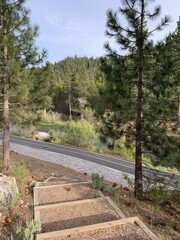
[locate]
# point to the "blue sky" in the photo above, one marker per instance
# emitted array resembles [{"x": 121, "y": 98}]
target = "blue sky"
[{"x": 77, "y": 27}]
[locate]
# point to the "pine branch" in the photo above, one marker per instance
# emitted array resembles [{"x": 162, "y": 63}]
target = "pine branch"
[
  {"x": 155, "y": 13},
  {"x": 164, "y": 22},
  {"x": 132, "y": 7},
  {"x": 30, "y": 39},
  {"x": 19, "y": 23}
]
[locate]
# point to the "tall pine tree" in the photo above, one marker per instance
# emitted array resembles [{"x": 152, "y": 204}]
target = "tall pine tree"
[
  {"x": 130, "y": 71},
  {"x": 17, "y": 51}
]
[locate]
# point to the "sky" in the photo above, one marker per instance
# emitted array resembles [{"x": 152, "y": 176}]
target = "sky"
[{"x": 77, "y": 27}]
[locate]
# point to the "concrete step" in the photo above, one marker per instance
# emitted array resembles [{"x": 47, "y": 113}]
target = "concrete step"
[
  {"x": 60, "y": 216},
  {"x": 123, "y": 229},
  {"x": 49, "y": 194}
]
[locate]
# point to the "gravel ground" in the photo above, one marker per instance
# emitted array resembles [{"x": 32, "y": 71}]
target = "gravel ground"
[
  {"x": 58, "y": 194},
  {"x": 76, "y": 215},
  {"x": 73, "y": 163},
  {"x": 121, "y": 232}
]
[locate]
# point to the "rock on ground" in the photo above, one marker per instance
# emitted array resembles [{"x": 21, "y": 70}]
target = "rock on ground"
[{"x": 42, "y": 136}]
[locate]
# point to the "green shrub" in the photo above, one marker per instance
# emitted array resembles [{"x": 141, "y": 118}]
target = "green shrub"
[
  {"x": 20, "y": 172},
  {"x": 27, "y": 232},
  {"x": 130, "y": 181},
  {"x": 157, "y": 196},
  {"x": 80, "y": 133},
  {"x": 55, "y": 136},
  {"x": 98, "y": 182}
]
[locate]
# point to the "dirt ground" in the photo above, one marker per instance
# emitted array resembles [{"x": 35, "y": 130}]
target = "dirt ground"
[{"x": 159, "y": 218}]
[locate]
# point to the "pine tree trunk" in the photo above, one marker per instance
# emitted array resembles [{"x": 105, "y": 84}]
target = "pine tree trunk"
[
  {"x": 69, "y": 102},
  {"x": 179, "y": 107},
  {"x": 138, "y": 156},
  {"x": 6, "y": 135}
]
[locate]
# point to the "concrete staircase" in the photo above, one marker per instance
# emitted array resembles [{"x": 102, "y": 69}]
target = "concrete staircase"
[{"x": 70, "y": 209}]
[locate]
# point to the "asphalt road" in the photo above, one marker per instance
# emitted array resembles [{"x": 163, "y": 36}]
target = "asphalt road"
[
  {"x": 112, "y": 162},
  {"x": 105, "y": 160}
]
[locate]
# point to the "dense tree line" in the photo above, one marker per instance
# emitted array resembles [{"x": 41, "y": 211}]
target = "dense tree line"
[
  {"x": 79, "y": 83},
  {"x": 68, "y": 87}
]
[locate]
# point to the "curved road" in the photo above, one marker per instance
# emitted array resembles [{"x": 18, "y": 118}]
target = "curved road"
[
  {"x": 109, "y": 161},
  {"x": 105, "y": 160}
]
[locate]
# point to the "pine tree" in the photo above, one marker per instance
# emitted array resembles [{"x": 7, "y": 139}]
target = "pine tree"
[
  {"x": 35, "y": 91},
  {"x": 116, "y": 96},
  {"x": 17, "y": 51},
  {"x": 133, "y": 67},
  {"x": 78, "y": 84},
  {"x": 68, "y": 79},
  {"x": 41, "y": 85},
  {"x": 161, "y": 99}
]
